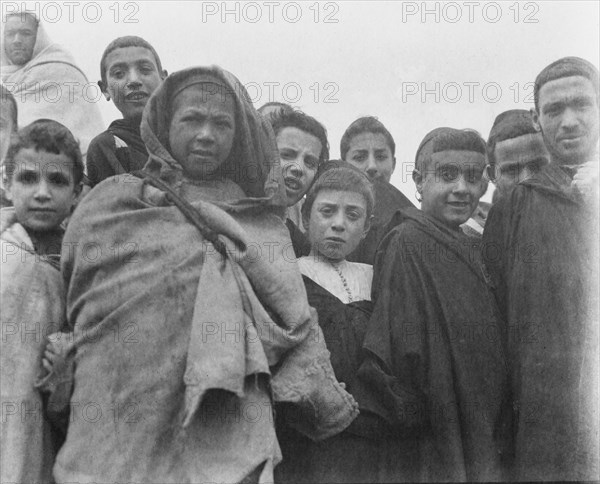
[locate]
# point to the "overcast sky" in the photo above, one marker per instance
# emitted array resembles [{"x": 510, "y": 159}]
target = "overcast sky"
[{"x": 414, "y": 65}]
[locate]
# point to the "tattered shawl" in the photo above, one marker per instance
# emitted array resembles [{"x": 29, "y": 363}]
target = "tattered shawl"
[{"x": 181, "y": 339}]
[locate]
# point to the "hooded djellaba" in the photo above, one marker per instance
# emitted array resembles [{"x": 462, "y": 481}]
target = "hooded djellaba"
[
  {"x": 190, "y": 318},
  {"x": 52, "y": 86}
]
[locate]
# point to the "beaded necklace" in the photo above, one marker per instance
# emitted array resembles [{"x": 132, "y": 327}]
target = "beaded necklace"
[{"x": 344, "y": 281}]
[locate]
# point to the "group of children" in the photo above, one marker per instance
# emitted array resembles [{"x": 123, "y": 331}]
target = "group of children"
[{"x": 382, "y": 353}]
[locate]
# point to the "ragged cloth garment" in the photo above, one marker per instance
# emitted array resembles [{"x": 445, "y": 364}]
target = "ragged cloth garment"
[
  {"x": 436, "y": 355},
  {"x": 541, "y": 248},
  {"x": 52, "y": 86},
  {"x": 32, "y": 300},
  {"x": 120, "y": 149},
  {"x": 181, "y": 351}
]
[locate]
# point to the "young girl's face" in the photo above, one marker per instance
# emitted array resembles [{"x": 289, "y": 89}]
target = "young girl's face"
[
  {"x": 452, "y": 186},
  {"x": 202, "y": 129},
  {"x": 42, "y": 189},
  {"x": 338, "y": 222}
]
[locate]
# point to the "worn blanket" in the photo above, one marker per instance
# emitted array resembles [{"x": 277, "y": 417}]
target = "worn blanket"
[
  {"x": 180, "y": 350},
  {"x": 32, "y": 308}
]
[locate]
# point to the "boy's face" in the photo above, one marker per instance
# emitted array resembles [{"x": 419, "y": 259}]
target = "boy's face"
[
  {"x": 568, "y": 118},
  {"x": 20, "y": 33},
  {"x": 202, "y": 129},
  {"x": 371, "y": 153},
  {"x": 337, "y": 224},
  {"x": 42, "y": 189},
  {"x": 518, "y": 159},
  {"x": 451, "y": 186},
  {"x": 299, "y": 153},
  {"x": 131, "y": 77},
  {"x": 6, "y": 126}
]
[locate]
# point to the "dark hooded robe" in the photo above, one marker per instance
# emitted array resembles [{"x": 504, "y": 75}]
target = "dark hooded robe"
[
  {"x": 388, "y": 200},
  {"x": 435, "y": 352},
  {"x": 541, "y": 248},
  {"x": 189, "y": 321},
  {"x": 120, "y": 149}
]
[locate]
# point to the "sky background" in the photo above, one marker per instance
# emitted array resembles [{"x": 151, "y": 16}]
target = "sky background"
[{"x": 414, "y": 65}]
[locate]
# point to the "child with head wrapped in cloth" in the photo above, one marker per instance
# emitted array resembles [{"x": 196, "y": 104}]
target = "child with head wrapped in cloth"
[{"x": 190, "y": 302}]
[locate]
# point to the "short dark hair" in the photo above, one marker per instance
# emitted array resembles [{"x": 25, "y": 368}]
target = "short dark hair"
[
  {"x": 508, "y": 125},
  {"x": 448, "y": 139},
  {"x": 294, "y": 118},
  {"x": 7, "y": 96},
  {"x": 565, "y": 67},
  {"x": 366, "y": 124},
  {"x": 340, "y": 176},
  {"x": 45, "y": 135},
  {"x": 127, "y": 41}
]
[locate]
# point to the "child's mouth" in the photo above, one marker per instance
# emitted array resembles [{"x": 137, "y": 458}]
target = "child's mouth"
[
  {"x": 292, "y": 183},
  {"x": 136, "y": 96}
]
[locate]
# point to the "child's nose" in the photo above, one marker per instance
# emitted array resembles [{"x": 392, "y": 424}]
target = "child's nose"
[
  {"x": 461, "y": 185},
  {"x": 43, "y": 191},
  {"x": 205, "y": 133},
  {"x": 339, "y": 222}
]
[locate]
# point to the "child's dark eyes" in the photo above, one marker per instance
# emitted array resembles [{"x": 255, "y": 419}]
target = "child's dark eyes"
[
  {"x": 28, "y": 177},
  {"x": 359, "y": 158},
  {"x": 58, "y": 179},
  {"x": 287, "y": 155},
  {"x": 311, "y": 163},
  {"x": 353, "y": 215},
  {"x": 449, "y": 173}
]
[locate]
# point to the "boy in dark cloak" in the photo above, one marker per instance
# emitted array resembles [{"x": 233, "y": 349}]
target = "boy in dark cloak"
[
  {"x": 130, "y": 71},
  {"x": 435, "y": 344}
]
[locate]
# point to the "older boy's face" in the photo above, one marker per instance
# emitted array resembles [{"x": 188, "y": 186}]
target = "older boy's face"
[
  {"x": 568, "y": 117},
  {"x": 20, "y": 33},
  {"x": 452, "y": 186},
  {"x": 6, "y": 126},
  {"x": 338, "y": 222},
  {"x": 299, "y": 153},
  {"x": 42, "y": 189},
  {"x": 371, "y": 153},
  {"x": 131, "y": 77},
  {"x": 518, "y": 159},
  {"x": 202, "y": 129}
]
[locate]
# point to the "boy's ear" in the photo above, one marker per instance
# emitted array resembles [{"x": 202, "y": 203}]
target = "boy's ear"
[
  {"x": 164, "y": 74},
  {"x": 367, "y": 226},
  {"x": 8, "y": 189},
  {"x": 393, "y": 164},
  {"x": 305, "y": 221},
  {"x": 535, "y": 118},
  {"x": 418, "y": 179},
  {"x": 103, "y": 88},
  {"x": 77, "y": 191}
]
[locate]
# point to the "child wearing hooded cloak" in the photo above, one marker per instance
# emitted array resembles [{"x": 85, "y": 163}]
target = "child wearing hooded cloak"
[{"x": 188, "y": 318}]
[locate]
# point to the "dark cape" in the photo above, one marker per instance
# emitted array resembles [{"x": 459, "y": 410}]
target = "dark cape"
[
  {"x": 388, "y": 200},
  {"x": 541, "y": 248},
  {"x": 105, "y": 158},
  {"x": 368, "y": 450},
  {"x": 435, "y": 351}
]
